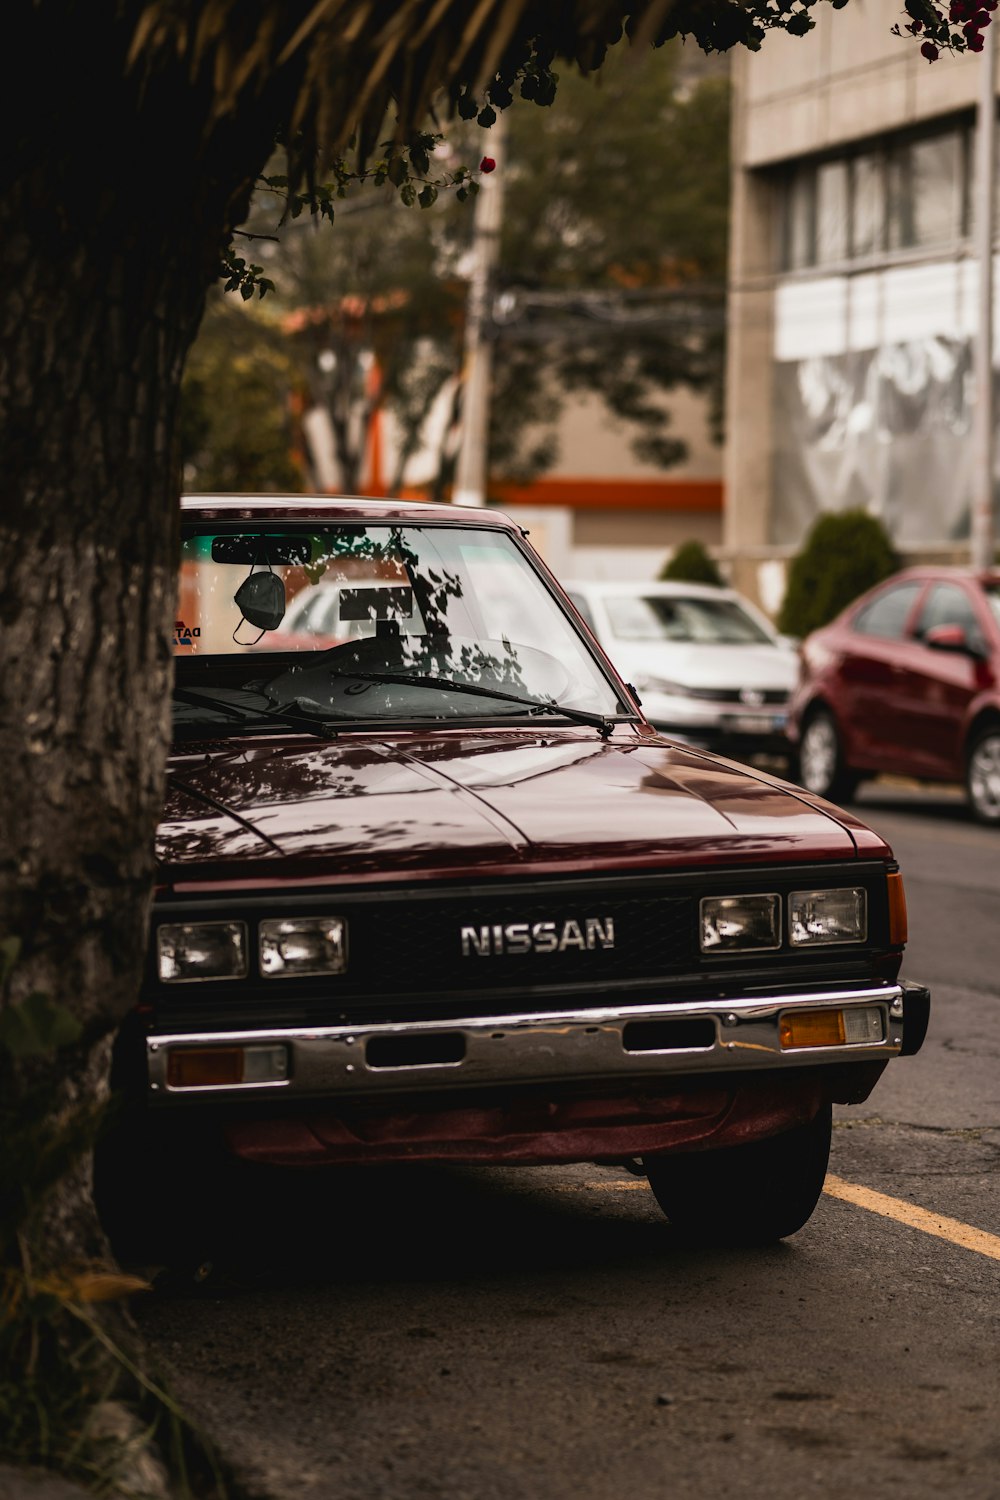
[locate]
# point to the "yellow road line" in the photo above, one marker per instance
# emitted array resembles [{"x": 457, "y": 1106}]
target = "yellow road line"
[
  {"x": 632, "y": 1185},
  {"x": 917, "y": 1218},
  {"x": 910, "y": 1214}
]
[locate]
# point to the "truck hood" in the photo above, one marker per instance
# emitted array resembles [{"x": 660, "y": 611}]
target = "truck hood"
[{"x": 474, "y": 802}]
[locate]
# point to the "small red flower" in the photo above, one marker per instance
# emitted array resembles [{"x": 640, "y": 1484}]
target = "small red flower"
[
  {"x": 929, "y": 51},
  {"x": 487, "y": 164}
]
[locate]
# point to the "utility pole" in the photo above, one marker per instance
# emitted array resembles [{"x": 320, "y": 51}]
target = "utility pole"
[
  {"x": 477, "y": 376},
  {"x": 981, "y": 542}
]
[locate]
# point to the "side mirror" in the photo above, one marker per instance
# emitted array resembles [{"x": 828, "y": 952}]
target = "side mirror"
[
  {"x": 949, "y": 638},
  {"x": 261, "y": 600}
]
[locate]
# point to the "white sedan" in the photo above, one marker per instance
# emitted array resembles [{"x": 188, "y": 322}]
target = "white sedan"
[{"x": 709, "y": 667}]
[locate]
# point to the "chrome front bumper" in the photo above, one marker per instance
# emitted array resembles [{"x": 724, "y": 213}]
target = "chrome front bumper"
[{"x": 634, "y": 1041}]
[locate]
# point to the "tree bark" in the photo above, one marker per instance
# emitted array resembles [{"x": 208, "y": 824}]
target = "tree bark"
[
  {"x": 94, "y": 348},
  {"x": 112, "y": 216}
]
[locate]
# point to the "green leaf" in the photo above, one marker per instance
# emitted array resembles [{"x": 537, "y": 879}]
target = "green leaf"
[
  {"x": 420, "y": 161},
  {"x": 428, "y": 196},
  {"x": 408, "y": 194},
  {"x": 487, "y": 115},
  {"x": 396, "y": 171},
  {"x": 37, "y": 1026},
  {"x": 10, "y": 952}
]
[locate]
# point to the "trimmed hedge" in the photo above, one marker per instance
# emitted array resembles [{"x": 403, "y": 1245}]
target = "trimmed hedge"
[
  {"x": 842, "y": 556},
  {"x": 691, "y": 563}
]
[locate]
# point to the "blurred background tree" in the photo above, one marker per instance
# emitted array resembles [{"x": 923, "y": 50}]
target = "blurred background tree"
[
  {"x": 842, "y": 556},
  {"x": 612, "y": 276},
  {"x": 691, "y": 562}
]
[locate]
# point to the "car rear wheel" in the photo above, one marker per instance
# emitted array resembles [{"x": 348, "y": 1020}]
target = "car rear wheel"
[
  {"x": 821, "y": 759},
  {"x": 982, "y": 776},
  {"x": 745, "y": 1195}
]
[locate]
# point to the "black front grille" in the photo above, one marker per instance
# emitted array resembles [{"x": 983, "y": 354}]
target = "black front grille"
[
  {"x": 419, "y": 947},
  {"x": 735, "y": 695},
  {"x": 405, "y": 948}
]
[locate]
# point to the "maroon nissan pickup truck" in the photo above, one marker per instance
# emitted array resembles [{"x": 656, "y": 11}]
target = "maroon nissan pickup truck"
[{"x": 431, "y": 889}]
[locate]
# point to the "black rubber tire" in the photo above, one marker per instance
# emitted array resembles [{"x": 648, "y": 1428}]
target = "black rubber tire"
[
  {"x": 820, "y": 764},
  {"x": 982, "y": 776},
  {"x": 745, "y": 1195}
]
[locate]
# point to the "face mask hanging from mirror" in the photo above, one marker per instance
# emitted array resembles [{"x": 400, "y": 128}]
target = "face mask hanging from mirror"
[{"x": 260, "y": 599}]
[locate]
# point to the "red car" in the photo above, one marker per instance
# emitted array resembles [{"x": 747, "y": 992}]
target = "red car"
[
  {"x": 438, "y": 892},
  {"x": 905, "y": 680}
]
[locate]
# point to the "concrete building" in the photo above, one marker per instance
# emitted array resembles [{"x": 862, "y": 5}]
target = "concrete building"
[
  {"x": 599, "y": 511},
  {"x": 853, "y": 287},
  {"x": 602, "y": 513}
]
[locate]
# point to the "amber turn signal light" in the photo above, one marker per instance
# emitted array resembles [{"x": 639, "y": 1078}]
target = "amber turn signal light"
[
  {"x": 222, "y": 1067},
  {"x": 201, "y": 1067},
  {"x": 812, "y": 1028},
  {"x": 857, "y": 1026},
  {"x": 898, "y": 931}
]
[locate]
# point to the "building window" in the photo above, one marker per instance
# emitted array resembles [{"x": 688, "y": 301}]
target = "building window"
[
  {"x": 907, "y": 193},
  {"x": 832, "y": 212},
  {"x": 800, "y": 219},
  {"x": 925, "y": 191},
  {"x": 867, "y": 203}
]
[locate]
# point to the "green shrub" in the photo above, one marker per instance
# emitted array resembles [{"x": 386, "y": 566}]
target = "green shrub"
[
  {"x": 842, "y": 556},
  {"x": 690, "y": 563}
]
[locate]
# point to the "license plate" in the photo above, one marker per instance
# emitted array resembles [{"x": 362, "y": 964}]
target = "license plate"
[{"x": 757, "y": 723}]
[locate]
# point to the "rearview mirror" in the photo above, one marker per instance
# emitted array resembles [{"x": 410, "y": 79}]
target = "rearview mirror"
[{"x": 265, "y": 551}]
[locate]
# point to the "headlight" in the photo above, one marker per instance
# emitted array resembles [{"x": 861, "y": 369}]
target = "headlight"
[
  {"x": 661, "y": 685},
  {"x": 201, "y": 950},
  {"x": 303, "y": 945},
  {"x": 730, "y": 924},
  {"x": 827, "y": 916}
]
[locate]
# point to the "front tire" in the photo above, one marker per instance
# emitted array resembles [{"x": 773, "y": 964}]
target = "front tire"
[
  {"x": 821, "y": 765},
  {"x": 745, "y": 1195},
  {"x": 982, "y": 776},
  {"x": 164, "y": 1188}
]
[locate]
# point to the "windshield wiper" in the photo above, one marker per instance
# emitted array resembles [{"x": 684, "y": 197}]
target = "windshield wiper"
[
  {"x": 310, "y": 723},
  {"x": 600, "y": 722}
]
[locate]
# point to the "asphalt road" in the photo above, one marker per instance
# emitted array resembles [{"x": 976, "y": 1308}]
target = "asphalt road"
[{"x": 521, "y": 1334}]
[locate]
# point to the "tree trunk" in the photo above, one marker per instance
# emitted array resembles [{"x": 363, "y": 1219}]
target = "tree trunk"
[
  {"x": 117, "y": 192},
  {"x": 94, "y": 341},
  {"x": 89, "y": 543}
]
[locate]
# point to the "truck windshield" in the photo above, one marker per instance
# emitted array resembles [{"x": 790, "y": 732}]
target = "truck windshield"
[{"x": 371, "y": 621}]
